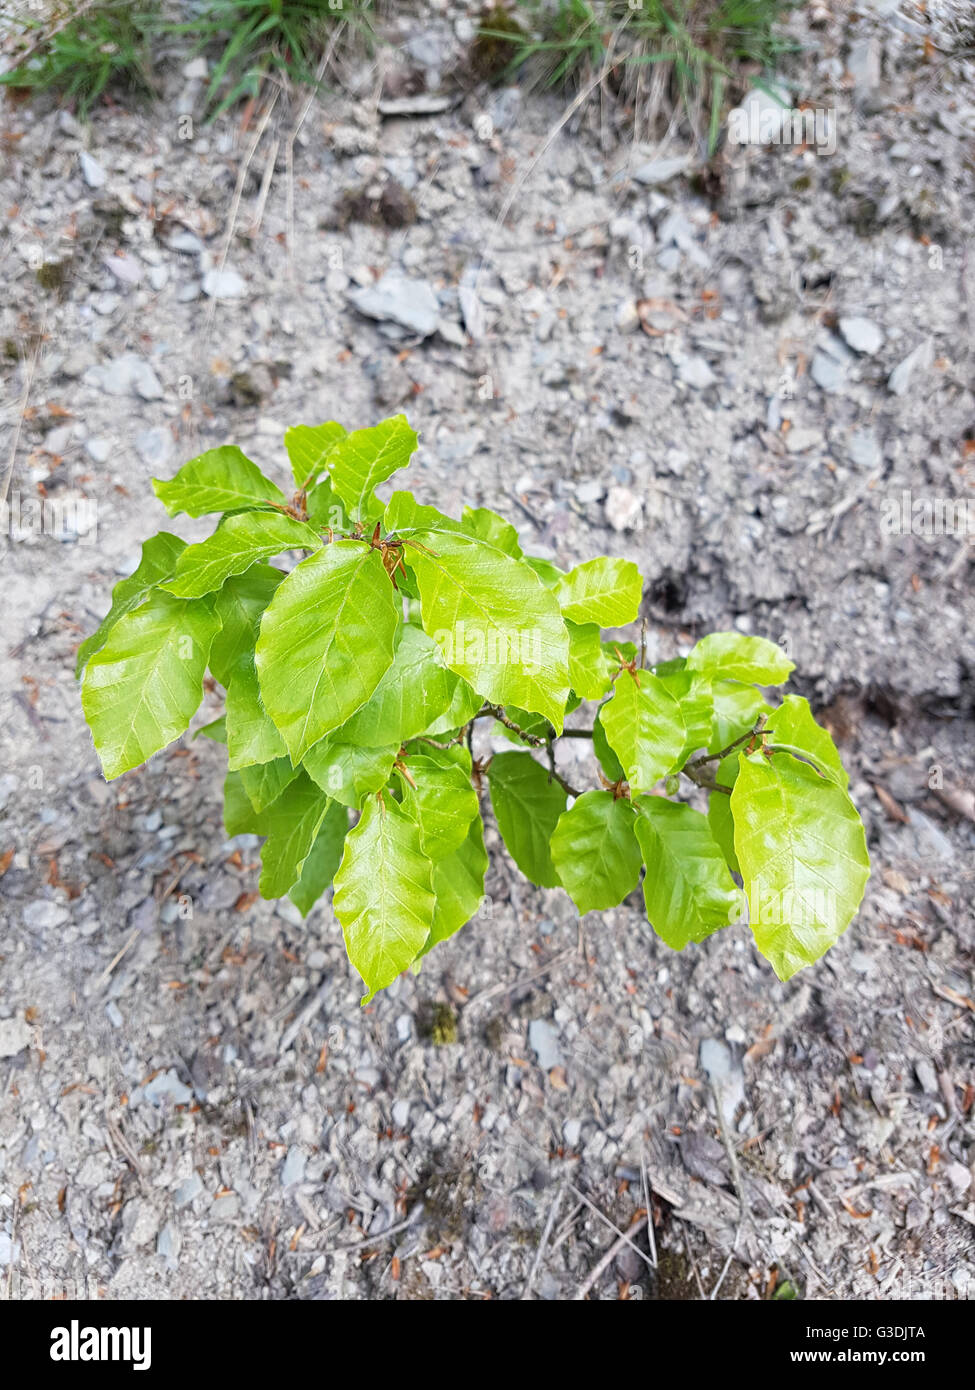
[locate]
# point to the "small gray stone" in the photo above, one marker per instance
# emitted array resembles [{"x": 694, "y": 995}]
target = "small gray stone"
[
  {"x": 126, "y": 374},
  {"x": 623, "y": 509},
  {"x": 411, "y": 304},
  {"x": 225, "y": 1209},
  {"x": 694, "y": 371},
  {"x": 224, "y": 284},
  {"x": 293, "y": 1167},
  {"x": 167, "y": 1087},
  {"x": 168, "y": 1242},
  {"x": 959, "y": 1176},
  {"x": 154, "y": 447},
  {"x": 716, "y": 1059},
  {"x": 139, "y": 1223},
  {"x": 919, "y": 360},
  {"x": 627, "y": 317},
  {"x": 126, "y": 269},
  {"x": 927, "y": 1076},
  {"x": 98, "y": 449},
  {"x": 187, "y": 242},
  {"x": 862, "y": 335},
  {"x": 590, "y": 491},
  {"x": 41, "y": 914},
  {"x": 91, "y": 171},
  {"x": 658, "y": 171},
  {"x": 827, "y": 371},
  {"x": 114, "y": 1014},
  {"x": 188, "y": 1190},
  {"x": 544, "y": 1042},
  {"x": 863, "y": 449},
  {"x": 15, "y": 1035},
  {"x": 798, "y": 441},
  {"x": 8, "y": 1251}
]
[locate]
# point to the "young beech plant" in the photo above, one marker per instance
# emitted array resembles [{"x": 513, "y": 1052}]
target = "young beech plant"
[{"x": 354, "y": 681}]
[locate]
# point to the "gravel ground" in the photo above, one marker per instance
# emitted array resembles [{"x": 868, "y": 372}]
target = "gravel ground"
[{"x": 732, "y": 375}]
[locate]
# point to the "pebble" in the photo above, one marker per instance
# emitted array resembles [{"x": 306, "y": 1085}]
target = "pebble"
[
  {"x": 42, "y": 914},
  {"x": 126, "y": 269},
  {"x": 798, "y": 441},
  {"x": 544, "y": 1042},
  {"x": 658, "y": 171},
  {"x": 225, "y": 1208},
  {"x": 959, "y": 1176},
  {"x": 114, "y": 1014},
  {"x": 8, "y": 1251},
  {"x": 919, "y": 360},
  {"x": 155, "y": 447},
  {"x": 188, "y": 1190},
  {"x": 293, "y": 1167},
  {"x": 167, "y": 1087},
  {"x": 224, "y": 284},
  {"x": 126, "y": 374},
  {"x": 590, "y": 491},
  {"x": 627, "y": 318},
  {"x": 862, "y": 335},
  {"x": 694, "y": 371},
  {"x": 139, "y": 1223},
  {"x": 412, "y": 304},
  {"x": 168, "y": 1242},
  {"x": 98, "y": 449},
  {"x": 622, "y": 508},
  {"x": 827, "y": 371},
  {"x": 91, "y": 171},
  {"x": 927, "y": 1076},
  {"x": 15, "y": 1035},
  {"x": 863, "y": 449}
]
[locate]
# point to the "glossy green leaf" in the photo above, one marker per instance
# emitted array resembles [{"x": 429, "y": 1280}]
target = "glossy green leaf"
[
  {"x": 793, "y": 723},
  {"x": 591, "y": 671},
  {"x": 308, "y": 449},
  {"x": 252, "y": 736},
  {"x": 692, "y": 691},
  {"x": 361, "y": 460},
  {"x": 464, "y": 704},
  {"x": 159, "y": 556},
  {"x": 264, "y": 782},
  {"x": 720, "y": 819},
  {"x": 803, "y": 857},
  {"x": 645, "y": 729},
  {"x": 325, "y": 509},
  {"x": 240, "y": 605},
  {"x": 412, "y": 692},
  {"x": 595, "y": 851},
  {"x": 291, "y": 825},
  {"x": 496, "y": 625},
  {"x": 347, "y": 772},
  {"x": 606, "y": 592},
  {"x": 527, "y": 806},
  {"x": 384, "y": 894},
  {"x": 143, "y": 687},
  {"x": 326, "y": 638},
  {"x": 735, "y": 656},
  {"x": 239, "y": 816},
  {"x": 324, "y": 857},
  {"x": 216, "y": 730},
  {"x": 688, "y": 889},
  {"x": 488, "y": 526},
  {"x": 221, "y": 480},
  {"x": 736, "y": 707},
  {"x": 443, "y": 799},
  {"x": 607, "y": 759},
  {"x": 239, "y": 542},
  {"x": 404, "y": 513},
  {"x": 458, "y": 884}
]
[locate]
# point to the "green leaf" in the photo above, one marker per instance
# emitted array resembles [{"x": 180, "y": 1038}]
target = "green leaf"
[
  {"x": 645, "y": 729},
  {"x": 264, "y": 782},
  {"x": 159, "y": 556},
  {"x": 326, "y": 638},
  {"x": 606, "y": 592},
  {"x": 347, "y": 772},
  {"x": 215, "y": 730},
  {"x": 221, "y": 480},
  {"x": 488, "y": 526},
  {"x": 527, "y": 806},
  {"x": 793, "y": 723},
  {"x": 733, "y": 656},
  {"x": 443, "y": 800},
  {"x": 411, "y": 694},
  {"x": 384, "y": 894},
  {"x": 239, "y": 816},
  {"x": 144, "y": 686},
  {"x": 252, "y": 737},
  {"x": 308, "y": 449},
  {"x": 463, "y": 706},
  {"x": 736, "y": 707},
  {"x": 404, "y": 513},
  {"x": 692, "y": 691},
  {"x": 458, "y": 882},
  {"x": 595, "y": 851},
  {"x": 291, "y": 825},
  {"x": 549, "y": 574},
  {"x": 365, "y": 458},
  {"x": 688, "y": 890},
  {"x": 591, "y": 670},
  {"x": 238, "y": 543},
  {"x": 240, "y": 605},
  {"x": 323, "y": 860},
  {"x": 325, "y": 509},
  {"x": 494, "y": 622},
  {"x": 803, "y": 857},
  {"x": 607, "y": 759},
  {"x": 720, "y": 819}
]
